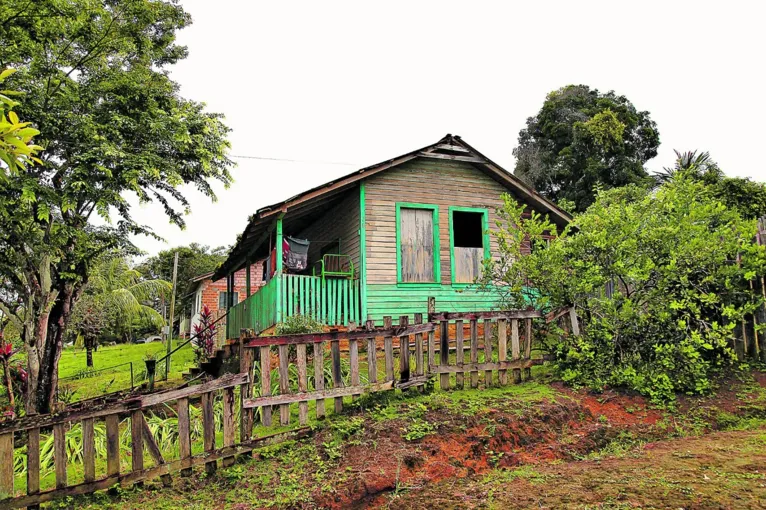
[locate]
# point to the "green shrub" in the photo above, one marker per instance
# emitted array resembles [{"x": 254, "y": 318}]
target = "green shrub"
[
  {"x": 298, "y": 324},
  {"x": 678, "y": 263}
]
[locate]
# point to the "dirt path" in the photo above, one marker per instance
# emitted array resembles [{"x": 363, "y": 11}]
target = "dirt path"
[{"x": 720, "y": 470}]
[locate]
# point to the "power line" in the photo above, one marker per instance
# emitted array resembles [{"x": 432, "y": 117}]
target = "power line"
[{"x": 292, "y": 160}]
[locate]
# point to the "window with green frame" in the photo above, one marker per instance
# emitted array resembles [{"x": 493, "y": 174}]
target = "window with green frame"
[
  {"x": 469, "y": 243},
  {"x": 417, "y": 243}
]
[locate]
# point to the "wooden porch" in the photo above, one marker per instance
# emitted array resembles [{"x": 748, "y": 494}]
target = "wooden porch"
[{"x": 331, "y": 301}]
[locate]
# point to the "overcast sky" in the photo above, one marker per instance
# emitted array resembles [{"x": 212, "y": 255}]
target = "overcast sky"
[{"x": 349, "y": 82}]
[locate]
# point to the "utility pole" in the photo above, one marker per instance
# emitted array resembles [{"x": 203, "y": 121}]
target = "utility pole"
[{"x": 172, "y": 312}]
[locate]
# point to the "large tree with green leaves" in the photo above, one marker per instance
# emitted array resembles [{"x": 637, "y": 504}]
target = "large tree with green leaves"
[
  {"x": 582, "y": 139},
  {"x": 94, "y": 74}
]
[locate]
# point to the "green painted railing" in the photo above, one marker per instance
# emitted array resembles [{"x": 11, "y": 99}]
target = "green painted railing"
[
  {"x": 258, "y": 312},
  {"x": 334, "y": 302}
]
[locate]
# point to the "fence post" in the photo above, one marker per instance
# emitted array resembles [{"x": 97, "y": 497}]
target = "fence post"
[
  {"x": 388, "y": 350},
  {"x": 404, "y": 351},
  {"x": 419, "y": 350}
]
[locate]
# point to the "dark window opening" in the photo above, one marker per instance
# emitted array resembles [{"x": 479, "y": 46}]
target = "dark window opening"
[
  {"x": 222, "y": 299},
  {"x": 468, "y": 229}
]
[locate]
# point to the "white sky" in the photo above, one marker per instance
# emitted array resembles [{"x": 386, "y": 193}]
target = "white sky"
[{"x": 357, "y": 83}]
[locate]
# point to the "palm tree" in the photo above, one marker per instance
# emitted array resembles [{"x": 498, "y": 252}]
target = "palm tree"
[
  {"x": 123, "y": 295},
  {"x": 688, "y": 163}
]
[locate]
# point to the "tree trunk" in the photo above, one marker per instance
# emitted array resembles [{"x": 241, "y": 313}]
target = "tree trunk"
[
  {"x": 89, "y": 355},
  {"x": 57, "y": 322}
]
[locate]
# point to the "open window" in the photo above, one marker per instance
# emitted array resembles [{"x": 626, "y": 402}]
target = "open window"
[
  {"x": 417, "y": 245},
  {"x": 469, "y": 243}
]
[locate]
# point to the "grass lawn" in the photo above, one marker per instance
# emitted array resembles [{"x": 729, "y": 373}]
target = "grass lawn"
[{"x": 75, "y": 377}]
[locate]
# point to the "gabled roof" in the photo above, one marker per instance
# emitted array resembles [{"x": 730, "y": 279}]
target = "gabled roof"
[{"x": 302, "y": 205}]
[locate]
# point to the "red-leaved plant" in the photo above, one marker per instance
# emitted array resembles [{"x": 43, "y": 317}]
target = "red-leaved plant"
[
  {"x": 205, "y": 332},
  {"x": 19, "y": 374}
]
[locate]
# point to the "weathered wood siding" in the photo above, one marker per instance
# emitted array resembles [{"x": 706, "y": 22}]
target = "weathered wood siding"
[
  {"x": 423, "y": 181},
  {"x": 340, "y": 222}
]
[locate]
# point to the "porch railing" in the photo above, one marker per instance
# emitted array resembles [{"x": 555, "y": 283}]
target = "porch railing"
[{"x": 335, "y": 302}]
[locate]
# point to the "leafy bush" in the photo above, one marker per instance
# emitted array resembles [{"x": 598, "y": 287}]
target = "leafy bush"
[
  {"x": 298, "y": 324},
  {"x": 660, "y": 280}
]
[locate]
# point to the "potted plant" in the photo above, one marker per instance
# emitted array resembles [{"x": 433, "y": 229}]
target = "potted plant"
[{"x": 151, "y": 366}]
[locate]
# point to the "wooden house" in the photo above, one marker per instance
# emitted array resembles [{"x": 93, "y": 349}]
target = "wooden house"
[{"x": 382, "y": 240}]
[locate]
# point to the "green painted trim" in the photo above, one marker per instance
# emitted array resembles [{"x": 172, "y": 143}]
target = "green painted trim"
[
  {"x": 437, "y": 262},
  {"x": 278, "y": 269},
  {"x": 363, "y": 251},
  {"x": 485, "y": 240}
]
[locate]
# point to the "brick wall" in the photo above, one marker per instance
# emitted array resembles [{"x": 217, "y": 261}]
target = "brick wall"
[{"x": 211, "y": 290}]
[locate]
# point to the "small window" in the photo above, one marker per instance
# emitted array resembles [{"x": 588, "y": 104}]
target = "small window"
[
  {"x": 418, "y": 249},
  {"x": 470, "y": 244},
  {"x": 222, "y": 299}
]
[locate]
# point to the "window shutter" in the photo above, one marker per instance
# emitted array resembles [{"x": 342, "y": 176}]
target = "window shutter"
[{"x": 416, "y": 238}]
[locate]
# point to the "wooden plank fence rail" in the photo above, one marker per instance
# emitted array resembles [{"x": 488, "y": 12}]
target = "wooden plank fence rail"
[
  {"x": 142, "y": 440},
  {"x": 276, "y": 373}
]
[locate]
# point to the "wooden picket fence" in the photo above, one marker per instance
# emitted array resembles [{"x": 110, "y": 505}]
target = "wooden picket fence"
[{"x": 409, "y": 359}]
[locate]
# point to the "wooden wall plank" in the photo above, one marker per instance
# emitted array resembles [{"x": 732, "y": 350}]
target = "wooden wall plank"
[
  {"x": 353, "y": 359},
  {"x": 459, "y": 354},
  {"x": 184, "y": 432},
  {"x": 88, "y": 450},
  {"x": 284, "y": 384},
  {"x": 137, "y": 440},
  {"x": 266, "y": 384},
  {"x": 208, "y": 428},
  {"x": 474, "y": 352},
  {"x": 388, "y": 348},
  {"x": 337, "y": 379},
  {"x": 303, "y": 406},
  {"x": 488, "y": 351},
  {"x": 33, "y": 461},
  {"x": 6, "y": 464},
  {"x": 502, "y": 349},
  {"x": 59, "y": 455},
  {"x": 444, "y": 353},
  {"x": 319, "y": 377},
  {"x": 112, "y": 445}
]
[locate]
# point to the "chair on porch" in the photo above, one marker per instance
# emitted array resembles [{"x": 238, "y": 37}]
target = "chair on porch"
[{"x": 333, "y": 265}]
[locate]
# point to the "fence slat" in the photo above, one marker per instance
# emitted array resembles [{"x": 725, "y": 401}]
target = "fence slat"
[
  {"x": 372, "y": 362},
  {"x": 228, "y": 423},
  {"x": 112, "y": 445},
  {"x": 6, "y": 464},
  {"x": 353, "y": 359},
  {"x": 444, "y": 353},
  {"x": 303, "y": 406},
  {"x": 59, "y": 455},
  {"x": 515, "y": 349},
  {"x": 88, "y": 450},
  {"x": 184, "y": 433},
  {"x": 33, "y": 461},
  {"x": 404, "y": 351},
  {"x": 245, "y": 391},
  {"x": 459, "y": 354},
  {"x": 337, "y": 380},
  {"x": 502, "y": 350},
  {"x": 137, "y": 440},
  {"x": 419, "y": 371},
  {"x": 284, "y": 384},
  {"x": 208, "y": 429},
  {"x": 474, "y": 352},
  {"x": 388, "y": 348},
  {"x": 488, "y": 351},
  {"x": 266, "y": 384},
  {"x": 528, "y": 348},
  {"x": 319, "y": 376},
  {"x": 431, "y": 349}
]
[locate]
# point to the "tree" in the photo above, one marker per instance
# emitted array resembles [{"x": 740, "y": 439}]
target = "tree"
[
  {"x": 652, "y": 275},
  {"x": 744, "y": 195},
  {"x": 581, "y": 139},
  {"x": 116, "y": 295},
  {"x": 16, "y": 147},
  {"x": 193, "y": 260},
  {"x": 96, "y": 85}
]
